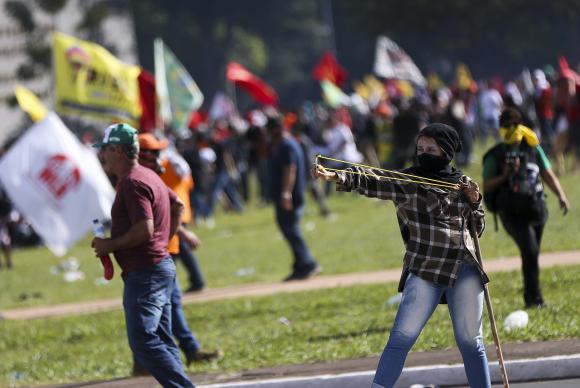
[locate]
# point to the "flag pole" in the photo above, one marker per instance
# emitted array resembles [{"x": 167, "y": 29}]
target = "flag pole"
[
  {"x": 160, "y": 84},
  {"x": 329, "y": 21},
  {"x": 231, "y": 90},
  {"x": 490, "y": 314}
]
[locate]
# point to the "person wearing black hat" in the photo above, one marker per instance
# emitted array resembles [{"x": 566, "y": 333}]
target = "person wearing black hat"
[{"x": 435, "y": 203}]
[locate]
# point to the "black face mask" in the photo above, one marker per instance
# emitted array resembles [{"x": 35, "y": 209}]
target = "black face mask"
[{"x": 432, "y": 163}]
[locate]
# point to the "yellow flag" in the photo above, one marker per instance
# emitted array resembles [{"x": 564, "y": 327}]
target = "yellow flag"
[
  {"x": 434, "y": 82},
  {"x": 362, "y": 90},
  {"x": 463, "y": 77},
  {"x": 30, "y": 103},
  {"x": 91, "y": 81},
  {"x": 377, "y": 87},
  {"x": 406, "y": 88}
]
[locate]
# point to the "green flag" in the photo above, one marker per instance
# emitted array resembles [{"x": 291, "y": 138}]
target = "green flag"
[
  {"x": 177, "y": 92},
  {"x": 332, "y": 94}
]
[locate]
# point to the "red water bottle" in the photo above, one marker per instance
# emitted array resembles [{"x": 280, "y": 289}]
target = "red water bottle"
[{"x": 109, "y": 270}]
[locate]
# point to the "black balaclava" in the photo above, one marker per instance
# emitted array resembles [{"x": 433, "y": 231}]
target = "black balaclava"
[
  {"x": 438, "y": 167},
  {"x": 445, "y": 136}
]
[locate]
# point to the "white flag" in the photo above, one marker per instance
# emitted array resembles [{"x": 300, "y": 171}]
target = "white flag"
[
  {"x": 56, "y": 183},
  {"x": 222, "y": 107},
  {"x": 392, "y": 62}
]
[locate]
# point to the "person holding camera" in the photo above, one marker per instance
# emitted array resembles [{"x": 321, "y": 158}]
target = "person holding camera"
[{"x": 513, "y": 171}]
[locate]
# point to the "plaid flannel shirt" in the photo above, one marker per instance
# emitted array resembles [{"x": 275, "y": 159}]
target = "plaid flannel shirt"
[{"x": 433, "y": 222}]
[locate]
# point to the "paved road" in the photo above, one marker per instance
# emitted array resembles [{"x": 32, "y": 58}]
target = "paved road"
[
  {"x": 547, "y": 360},
  {"x": 574, "y": 383}
]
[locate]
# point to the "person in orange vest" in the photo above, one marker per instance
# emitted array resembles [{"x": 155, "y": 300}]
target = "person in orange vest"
[{"x": 175, "y": 173}]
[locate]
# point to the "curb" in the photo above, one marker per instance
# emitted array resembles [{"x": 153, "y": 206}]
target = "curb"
[{"x": 524, "y": 370}]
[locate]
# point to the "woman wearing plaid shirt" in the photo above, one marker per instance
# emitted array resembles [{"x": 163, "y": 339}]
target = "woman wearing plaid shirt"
[{"x": 440, "y": 261}]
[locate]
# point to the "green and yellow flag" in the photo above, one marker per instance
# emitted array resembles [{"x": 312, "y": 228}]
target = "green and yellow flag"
[
  {"x": 91, "y": 81},
  {"x": 177, "y": 93},
  {"x": 333, "y": 95}
]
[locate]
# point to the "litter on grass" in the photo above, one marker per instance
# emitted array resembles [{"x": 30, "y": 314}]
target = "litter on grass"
[
  {"x": 516, "y": 320},
  {"x": 245, "y": 272},
  {"x": 285, "y": 321}
]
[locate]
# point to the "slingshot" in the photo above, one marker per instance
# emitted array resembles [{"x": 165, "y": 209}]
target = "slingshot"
[{"x": 394, "y": 175}]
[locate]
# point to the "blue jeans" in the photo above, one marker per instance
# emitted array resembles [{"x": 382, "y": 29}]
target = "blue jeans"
[
  {"x": 198, "y": 201},
  {"x": 289, "y": 224},
  {"x": 489, "y": 126},
  {"x": 187, "y": 341},
  {"x": 223, "y": 182},
  {"x": 190, "y": 262},
  {"x": 147, "y": 304},
  {"x": 420, "y": 298}
]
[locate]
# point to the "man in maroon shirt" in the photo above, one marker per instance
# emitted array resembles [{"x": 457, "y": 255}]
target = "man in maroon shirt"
[{"x": 144, "y": 215}]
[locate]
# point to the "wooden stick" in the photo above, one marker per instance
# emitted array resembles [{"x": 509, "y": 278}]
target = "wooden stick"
[{"x": 498, "y": 351}]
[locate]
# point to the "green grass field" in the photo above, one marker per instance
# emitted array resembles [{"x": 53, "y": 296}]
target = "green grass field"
[{"x": 320, "y": 325}]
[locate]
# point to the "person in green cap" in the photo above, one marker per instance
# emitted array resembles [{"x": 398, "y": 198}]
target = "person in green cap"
[{"x": 145, "y": 214}]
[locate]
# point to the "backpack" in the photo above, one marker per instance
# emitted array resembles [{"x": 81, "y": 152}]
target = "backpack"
[{"x": 522, "y": 196}]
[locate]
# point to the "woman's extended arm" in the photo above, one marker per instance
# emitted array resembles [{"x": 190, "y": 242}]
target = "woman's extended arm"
[{"x": 367, "y": 181}]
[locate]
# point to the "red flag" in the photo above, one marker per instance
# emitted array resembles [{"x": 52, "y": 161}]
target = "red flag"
[
  {"x": 257, "y": 88},
  {"x": 197, "y": 118},
  {"x": 329, "y": 69},
  {"x": 146, "y": 82},
  {"x": 565, "y": 71}
]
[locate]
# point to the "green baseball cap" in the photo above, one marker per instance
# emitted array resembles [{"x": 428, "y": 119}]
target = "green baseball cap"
[{"x": 118, "y": 134}]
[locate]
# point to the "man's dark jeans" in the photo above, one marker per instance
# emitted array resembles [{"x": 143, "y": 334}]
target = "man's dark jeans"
[
  {"x": 147, "y": 304},
  {"x": 289, "y": 224},
  {"x": 187, "y": 341},
  {"x": 189, "y": 260}
]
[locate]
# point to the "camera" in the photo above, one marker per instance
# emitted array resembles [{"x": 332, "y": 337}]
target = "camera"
[{"x": 512, "y": 157}]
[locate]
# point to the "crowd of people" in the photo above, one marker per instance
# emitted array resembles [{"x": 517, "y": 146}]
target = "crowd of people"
[{"x": 224, "y": 153}]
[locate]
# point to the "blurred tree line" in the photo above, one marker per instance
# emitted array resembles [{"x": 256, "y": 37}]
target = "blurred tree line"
[
  {"x": 282, "y": 40},
  {"x": 493, "y": 37},
  {"x": 278, "y": 40}
]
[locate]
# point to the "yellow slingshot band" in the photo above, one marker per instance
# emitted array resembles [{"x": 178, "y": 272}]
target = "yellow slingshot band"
[{"x": 403, "y": 176}]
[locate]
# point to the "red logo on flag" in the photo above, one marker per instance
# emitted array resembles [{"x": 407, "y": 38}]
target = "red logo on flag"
[
  {"x": 77, "y": 57},
  {"x": 59, "y": 175}
]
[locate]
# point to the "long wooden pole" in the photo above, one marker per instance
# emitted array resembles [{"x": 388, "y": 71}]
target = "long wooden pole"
[{"x": 498, "y": 351}]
